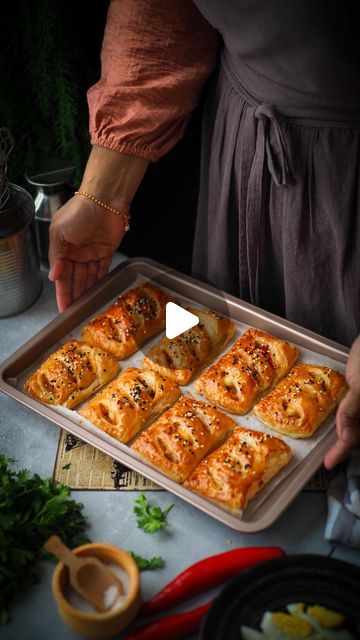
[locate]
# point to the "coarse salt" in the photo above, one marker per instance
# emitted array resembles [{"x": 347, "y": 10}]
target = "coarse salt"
[
  {"x": 110, "y": 595},
  {"x": 78, "y": 602}
]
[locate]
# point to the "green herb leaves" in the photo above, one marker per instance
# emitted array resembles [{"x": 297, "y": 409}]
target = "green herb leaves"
[
  {"x": 150, "y": 519},
  {"x": 31, "y": 510},
  {"x": 147, "y": 565}
]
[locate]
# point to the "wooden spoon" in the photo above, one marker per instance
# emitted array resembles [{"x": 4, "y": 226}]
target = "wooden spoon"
[{"x": 87, "y": 575}]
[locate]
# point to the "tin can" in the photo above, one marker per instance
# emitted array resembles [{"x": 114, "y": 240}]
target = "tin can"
[{"x": 20, "y": 277}]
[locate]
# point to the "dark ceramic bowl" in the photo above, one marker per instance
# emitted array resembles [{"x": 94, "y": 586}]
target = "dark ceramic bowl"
[{"x": 273, "y": 584}]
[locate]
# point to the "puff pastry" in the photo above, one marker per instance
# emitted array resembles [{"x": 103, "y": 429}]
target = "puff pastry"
[
  {"x": 301, "y": 401},
  {"x": 255, "y": 362},
  {"x": 182, "y": 436},
  {"x": 130, "y": 402},
  {"x": 135, "y": 317},
  {"x": 71, "y": 374},
  {"x": 181, "y": 358},
  {"x": 234, "y": 473}
]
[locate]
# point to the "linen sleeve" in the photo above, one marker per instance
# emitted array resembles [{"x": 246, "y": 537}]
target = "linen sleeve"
[{"x": 156, "y": 56}]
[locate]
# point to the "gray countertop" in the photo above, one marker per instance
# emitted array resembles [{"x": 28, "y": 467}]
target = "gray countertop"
[{"x": 32, "y": 441}]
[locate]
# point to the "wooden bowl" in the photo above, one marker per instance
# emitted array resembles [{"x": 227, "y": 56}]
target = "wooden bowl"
[{"x": 98, "y": 624}]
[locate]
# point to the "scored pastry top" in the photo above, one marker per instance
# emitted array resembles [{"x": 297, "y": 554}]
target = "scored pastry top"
[
  {"x": 182, "y": 436},
  {"x": 302, "y": 400},
  {"x": 136, "y": 316},
  {"x": 130, "y": 402},
  {"x": 182, "y": 357},
  {"x": 253, "y": 364},
  {"x": 239, "y": 469},
  {"x": 71, "y": 374}
]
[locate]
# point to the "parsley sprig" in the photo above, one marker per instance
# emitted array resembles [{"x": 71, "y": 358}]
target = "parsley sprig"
[
  {"x": 144, "y": 564},
  {"x": 31, "y": 510},
  {"x": 150, "y": 519}
]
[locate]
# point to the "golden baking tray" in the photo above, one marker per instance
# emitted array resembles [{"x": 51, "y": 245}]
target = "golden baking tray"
[{"x": 281, "y": 491}]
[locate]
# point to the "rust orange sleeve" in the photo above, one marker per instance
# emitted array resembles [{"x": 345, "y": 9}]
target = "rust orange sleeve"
[{"x": 156, "y": 56}]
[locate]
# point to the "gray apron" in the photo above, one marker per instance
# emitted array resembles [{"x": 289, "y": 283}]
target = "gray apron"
[{"x": 279, "y": 204}]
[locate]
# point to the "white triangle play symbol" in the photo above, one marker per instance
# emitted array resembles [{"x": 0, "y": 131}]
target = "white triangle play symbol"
[{"x": 178, "y": 320}]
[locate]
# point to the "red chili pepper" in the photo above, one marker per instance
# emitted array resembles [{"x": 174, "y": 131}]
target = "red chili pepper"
[
  {"x": 171, "y": 627},
  {"x": 206, "y": 574}
]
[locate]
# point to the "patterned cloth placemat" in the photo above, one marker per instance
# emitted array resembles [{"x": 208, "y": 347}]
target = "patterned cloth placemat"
[{"x": 82, "y": 466}]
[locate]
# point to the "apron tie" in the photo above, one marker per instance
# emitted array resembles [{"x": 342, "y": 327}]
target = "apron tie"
[
  {"x": 277, "y": 156},
  {"x": 270, "y": 152}
]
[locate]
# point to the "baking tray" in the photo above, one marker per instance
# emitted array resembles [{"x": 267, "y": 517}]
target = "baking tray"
[{"x": 277, "y": 496}]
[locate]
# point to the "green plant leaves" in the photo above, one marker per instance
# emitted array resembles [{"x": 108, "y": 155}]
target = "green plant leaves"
[{"x": 31, "y": 509}]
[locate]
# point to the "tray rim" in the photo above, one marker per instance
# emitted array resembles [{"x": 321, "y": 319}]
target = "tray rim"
[{"x": 65, "y": 322}]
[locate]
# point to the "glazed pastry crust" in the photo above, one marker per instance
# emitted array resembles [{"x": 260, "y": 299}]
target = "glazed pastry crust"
[
  {"x": 71, "y": 374},
  {"x": 135, "y": 317},
  {"x": 181, "y": 358},
  {"x": 233, "y": 474},
  {"x": 182, "y": 436},
  {"x": 299, "y": 404},
  {"x": 130, "y": 402},
  {"x": 254, "y": 363}
]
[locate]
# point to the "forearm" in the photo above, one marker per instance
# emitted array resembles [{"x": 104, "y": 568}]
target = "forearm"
[
  {"x": 113, "y": 177},
  {"x": 156, "y": 56}
]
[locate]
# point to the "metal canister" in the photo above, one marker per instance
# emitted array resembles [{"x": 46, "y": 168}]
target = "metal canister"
[
  {"x": 53, "y": 189},
  {"x": 20, "y": 277}
]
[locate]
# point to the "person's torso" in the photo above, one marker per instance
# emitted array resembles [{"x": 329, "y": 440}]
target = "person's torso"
[{"x": 292, "y": 53}]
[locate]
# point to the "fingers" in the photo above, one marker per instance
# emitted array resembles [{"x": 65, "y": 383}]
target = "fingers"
[
  {"x": 104, "y": 265},
  {"x": 348, "y": 413},
  {"x": 58, "y": 249},
  {"x": 92, "y": 273},
  {"x": 84, "y": 276},
  {"x": 337, "y": 454},
  {"x": 348, "y": 418},
  {"x": 72, "y": 279},
  {"x": 81, "y": 234},
  {"x": 353, "y": 367},
  {"x": 348, "y": 428},
  {"x": 71, "y": 284},
  {"x": 57, "y": 269},
  {"x": 79, "y": 279},
  {"x": 63, "y": 288}
]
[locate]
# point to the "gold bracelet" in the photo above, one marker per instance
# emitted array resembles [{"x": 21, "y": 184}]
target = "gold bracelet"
[{"x": 122, "y": 214}]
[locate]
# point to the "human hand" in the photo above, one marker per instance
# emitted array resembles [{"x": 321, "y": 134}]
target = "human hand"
[
  {"x": 83, "y": 238},
  {"x": 348, "y": 413}
]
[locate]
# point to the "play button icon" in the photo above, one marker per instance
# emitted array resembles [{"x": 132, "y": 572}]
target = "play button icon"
[{"x": 178, "y": 320}]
